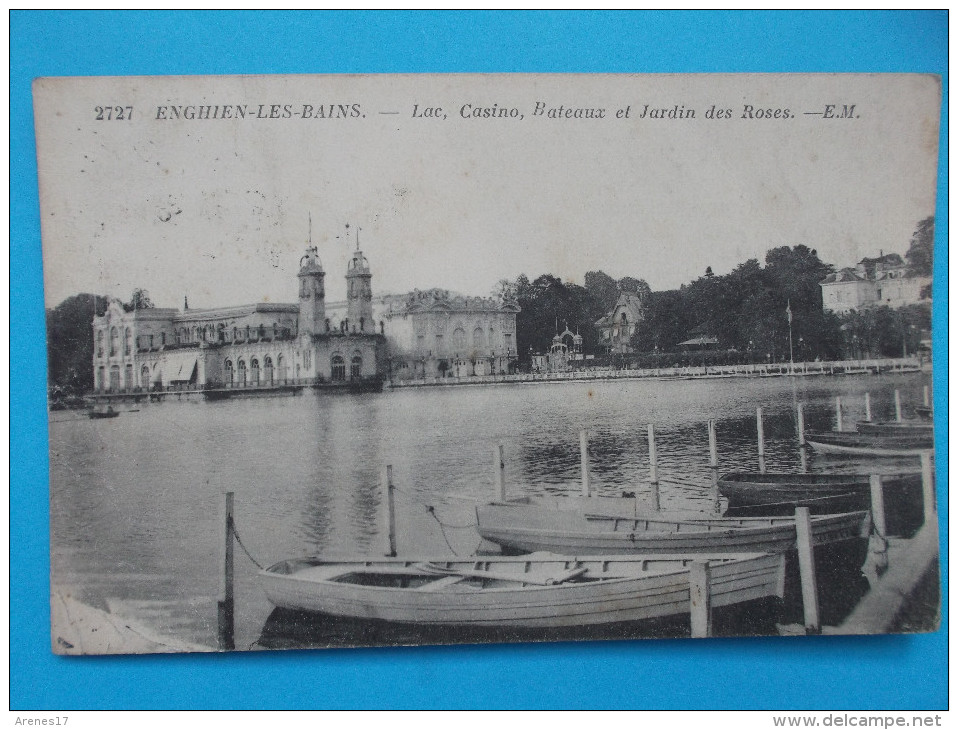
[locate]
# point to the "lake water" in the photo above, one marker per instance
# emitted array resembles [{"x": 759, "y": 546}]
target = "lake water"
[{"x": 136, "y": 501}]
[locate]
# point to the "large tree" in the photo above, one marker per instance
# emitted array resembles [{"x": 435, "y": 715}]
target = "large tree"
[
  {"x": 70, "y": 343},
  {"x": 920, "y": 254}
]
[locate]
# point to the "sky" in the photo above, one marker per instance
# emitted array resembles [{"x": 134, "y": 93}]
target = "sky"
[{"x": 220, "y": 210}]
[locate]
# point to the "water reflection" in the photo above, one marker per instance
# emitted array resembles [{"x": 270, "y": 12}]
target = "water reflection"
[{"x": 136, "y": 500}]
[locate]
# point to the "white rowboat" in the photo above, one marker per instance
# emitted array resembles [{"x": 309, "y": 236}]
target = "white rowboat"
[{"x": 532, "y": 591}]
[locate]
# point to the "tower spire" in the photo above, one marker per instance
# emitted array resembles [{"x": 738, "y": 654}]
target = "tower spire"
[{"x": 309, "y": 239}]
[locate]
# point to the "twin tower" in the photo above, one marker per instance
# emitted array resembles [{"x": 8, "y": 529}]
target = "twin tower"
[{"x": 312, "y": 295}]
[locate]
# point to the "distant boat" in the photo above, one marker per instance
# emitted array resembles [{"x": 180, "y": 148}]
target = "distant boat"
[
  {"x": 754, "y": 494},
  {"x": 100, "y": 413},
  {"x": 895, "y": 428},
  {"x": 866, "y": 444},
  {"x": 533, "y": 591},
  {"x": 925, "y": 413},
  {"x": 528, "y": 528}
]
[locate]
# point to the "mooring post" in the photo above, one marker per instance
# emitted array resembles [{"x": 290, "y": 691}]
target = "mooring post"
[
  {"x": 801, "y": 424},
  {"x": 700, "y": 599},
  {"x": 224, "y": 612},
  {"x": 838, "y": 413},
  {"x": 868, "y": 407},
  {"x": 928, "y": 488},
  {"x": 653, "y": 468},
  {"x": 806, "y": 569},
  {"x": 499, "y": 465},
  {"x": 878, "y": 504},
  {"x": 713, "y": 445},
  {"x": 389, "y": 513},
  {"x": 760, "y": 427},
  {"x": 897, "y": 405},
  {"x": 925, "y": 399},
  {"x": 584, "y": 459}
]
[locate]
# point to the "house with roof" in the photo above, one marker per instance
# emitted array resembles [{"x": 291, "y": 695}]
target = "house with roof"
[{"x": 873, "y": 282}]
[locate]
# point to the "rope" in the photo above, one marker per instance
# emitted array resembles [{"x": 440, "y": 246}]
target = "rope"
[
  {"x": 431, "y": 511},
  {"x": 240, "y": 543},
  {"x": 442, "y": 529}
]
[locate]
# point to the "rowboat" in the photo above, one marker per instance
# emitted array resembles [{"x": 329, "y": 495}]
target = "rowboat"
[
  {"x": 108, "y": 413},
  {"x": 754, "y": 494},
  {"x": 532, "y": 591},
  {"x": 862, "y": 444},
  {"x": 529, "y": 527},
  {"x": 896, "y": 428}
]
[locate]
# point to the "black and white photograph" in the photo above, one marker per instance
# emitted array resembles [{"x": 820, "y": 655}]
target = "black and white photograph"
[{"x": 377, "y": 360}]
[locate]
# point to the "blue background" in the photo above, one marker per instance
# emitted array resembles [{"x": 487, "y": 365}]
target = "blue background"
[{"x": 841, "y": 673}]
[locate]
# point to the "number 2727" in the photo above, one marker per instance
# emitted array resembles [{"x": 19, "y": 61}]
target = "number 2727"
[{"x": 113, "y": 113}]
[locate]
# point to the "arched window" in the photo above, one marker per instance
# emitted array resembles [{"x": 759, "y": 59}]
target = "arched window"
[
  {"x": 114, "y": 378},
  {"x": 221, "y": 332},
  {"x": 281, "y": 367},
  {"x": 241, "y": 365},
  {"x": 100, "y": 378},
  {"x": 268, "y": 367},
  {"x": 128, "y": 378},
  {"x": 99, "y": 344},
  {"x": 338, "y": 368},
  {"x": 113, "y": 339},
  {"x": 254, "y": 370},
  {"x": 235, "y": 334},
  {"x": 128, "y": 341},
  {"x": 356, "y": 367},
  {"x": 459, "y": 338},
  {"x": 228, "y": 371},
  {"x": 478, "y": 339},
  {"x": 145, "y": 377}
]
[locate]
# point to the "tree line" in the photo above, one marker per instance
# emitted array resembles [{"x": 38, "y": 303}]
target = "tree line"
[{"x": 751, "y": 311}]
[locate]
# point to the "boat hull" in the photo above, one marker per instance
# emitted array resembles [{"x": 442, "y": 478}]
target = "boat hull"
[
  {"x": 751, "y": 494},
  {"x": 530, "y": 529},
  {"x": 632, "y": 589},
  {"x": 917, "y": 429},
  {"x": 858, "y": 444}
]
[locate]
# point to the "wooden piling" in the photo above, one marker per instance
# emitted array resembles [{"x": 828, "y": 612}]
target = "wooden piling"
[
  {"x": 868, "y": 407},
  {"x": 928, "y": 488},
  {"x": 838, "y": 413},
  {"x": 713, "y": 445},
  {"x": 760, "y": 427},
  {"x": 801, "y": 424},
  {"x": 806, "y": 567},
  {"x": 584, "y": 459},
  {"x": 499, "y": 467},
  {"x": 897, "y": 405},
  {"x": 700, "y": 599},
  {"x": 925, "y": 396},
  {"x": 225, "y": 607},
  {"x": 389, "y": 513},
  {"x": 878, "y": 504},
  {"x": 653, "y": 468}
]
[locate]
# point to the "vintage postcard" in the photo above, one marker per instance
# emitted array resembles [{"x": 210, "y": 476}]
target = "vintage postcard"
[{"x": 403, "y": 359}]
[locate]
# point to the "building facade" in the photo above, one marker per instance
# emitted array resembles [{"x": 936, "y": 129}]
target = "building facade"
[
  {"x": 618, "y": 326},
  {"x": 874, "y": 282},
  {"x": 249, "y": 346},
  {"x": 436, "y": 333}
]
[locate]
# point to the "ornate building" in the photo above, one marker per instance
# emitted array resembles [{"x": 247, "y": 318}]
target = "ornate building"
[
  {"x": 245, "y": 347},
  {"x": 435, "y": 333},
  {"x": 618, "y": 326}
]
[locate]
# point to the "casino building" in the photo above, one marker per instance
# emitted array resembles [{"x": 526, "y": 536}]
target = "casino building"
[{"x": 259, "y": 346}]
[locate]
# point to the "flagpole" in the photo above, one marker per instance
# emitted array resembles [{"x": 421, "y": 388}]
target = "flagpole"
[{"x": 791, "y": 356}]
